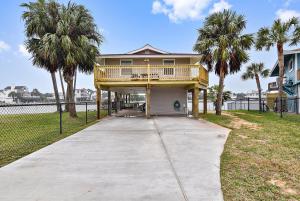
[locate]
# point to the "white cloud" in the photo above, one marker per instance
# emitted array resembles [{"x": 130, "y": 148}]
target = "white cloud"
[
  {"x": 285, "y": 14},
  {"x": 23, "y": 51},
  {"x": 178, "y": 10},
  {"x": 220, "y": 6},
  {"x": 4, "y": 46}
]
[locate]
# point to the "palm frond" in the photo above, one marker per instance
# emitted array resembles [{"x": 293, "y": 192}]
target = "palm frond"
[
  {"x": 221, "y": 43},
  {"x": 265, "y": 73}
]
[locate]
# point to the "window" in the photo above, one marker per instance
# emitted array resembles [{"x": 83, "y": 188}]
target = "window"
[
  {"x": 290, "y": 65},
  {"x": 169, "y": 61},
  {"x": 126, "y": 62}
]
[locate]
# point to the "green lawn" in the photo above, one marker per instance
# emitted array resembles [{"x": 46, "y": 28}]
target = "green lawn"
[
  {"x": 261, "y": 159},
  {"x": 25, "y": 133}
]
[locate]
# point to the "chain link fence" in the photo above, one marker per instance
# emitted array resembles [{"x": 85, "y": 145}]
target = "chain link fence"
[
  {"x": 281, "y": 106},
  {"x": 25, "y": 128}
]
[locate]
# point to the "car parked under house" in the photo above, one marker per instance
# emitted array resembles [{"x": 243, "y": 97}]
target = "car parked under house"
[{"x": 164, "y": 77}]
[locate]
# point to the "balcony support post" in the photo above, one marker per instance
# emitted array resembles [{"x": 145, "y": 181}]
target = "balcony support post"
[
  {"x": 98, "y": 93},
  {"x": 109, "y": 102},
  {"x": 195, "y": 107},
  {"x": 148, "y": 72},
  {"x": 116, "y": 102},
  {"x": 148, "y": 97},
  {"x": 204, "y": 101}
]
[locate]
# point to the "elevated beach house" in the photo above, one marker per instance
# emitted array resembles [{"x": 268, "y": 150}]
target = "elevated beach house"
[
  {"x": 165, "y": 79},
  {"x": 291, "y": 82}
]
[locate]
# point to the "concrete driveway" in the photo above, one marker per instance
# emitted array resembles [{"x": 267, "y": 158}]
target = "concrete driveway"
[{"x": 123, "y": 159}]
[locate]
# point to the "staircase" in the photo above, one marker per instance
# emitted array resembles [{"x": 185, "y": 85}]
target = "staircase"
[{"x": 288, "y": 90}]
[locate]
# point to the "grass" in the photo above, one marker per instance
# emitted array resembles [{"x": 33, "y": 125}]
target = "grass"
[
  {"x": 23, "y": 134},
  {"x": 260, "y": 162}
]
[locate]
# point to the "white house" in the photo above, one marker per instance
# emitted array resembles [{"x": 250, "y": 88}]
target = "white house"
[
  {"x": 5, "y": 94},
  {"x": 81, "y": 95}
]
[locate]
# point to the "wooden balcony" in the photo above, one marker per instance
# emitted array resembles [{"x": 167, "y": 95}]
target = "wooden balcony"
[
  {"x": 298, "y": 74},
  {"x": 151, "y": 74}
]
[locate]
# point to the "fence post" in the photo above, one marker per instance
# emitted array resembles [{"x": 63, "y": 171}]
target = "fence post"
[
  {"x": 60, "y": 118},
  {"x": 86, "y": 113},
  {"x": 297, "y": 105},
  {"x": 281, "y": 107},
  {"x": 248, "y": 104}
]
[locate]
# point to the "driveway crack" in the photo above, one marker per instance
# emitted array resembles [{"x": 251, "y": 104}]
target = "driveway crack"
[{"x": 170, "y": 162}]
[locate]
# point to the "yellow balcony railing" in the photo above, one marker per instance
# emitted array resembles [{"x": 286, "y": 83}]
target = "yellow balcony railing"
[{"x": 118, "y": 73}]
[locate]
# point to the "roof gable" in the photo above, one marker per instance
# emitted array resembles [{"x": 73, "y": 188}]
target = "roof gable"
[{"x": 147, "y": 49}]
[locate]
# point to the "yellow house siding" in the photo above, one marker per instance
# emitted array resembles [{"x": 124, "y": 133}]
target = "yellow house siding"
[{"x": 141, "y": 61}]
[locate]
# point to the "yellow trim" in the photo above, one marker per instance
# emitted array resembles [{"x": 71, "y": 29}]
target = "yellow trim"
[{"x": 100, "y": 77}]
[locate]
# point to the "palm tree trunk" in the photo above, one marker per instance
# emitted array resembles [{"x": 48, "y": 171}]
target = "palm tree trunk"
[
  {"x": 75, "y": 79},
  {"x": 259, "y": 91},
  {"x": 67, "y": 99},
  {"x": 220, "y": 92},
  {"x": 55, "y": 89},
  {"x": 62, "y": 85},
  {"x": 71, "y": 104},
  {"x": 281, "y": 73}
]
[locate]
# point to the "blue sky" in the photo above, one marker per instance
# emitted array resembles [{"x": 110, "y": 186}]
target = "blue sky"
[{"x": 169, "y": 25}]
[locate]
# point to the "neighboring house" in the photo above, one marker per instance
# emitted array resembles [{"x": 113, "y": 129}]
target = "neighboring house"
[
  {"x": 164, "y": 77},
  {"x": 20, "y": 91},
  {"x": 291, "y": 82},
  {"x": 82, "y": 95},
  {"x": 4, "y": 97},
  {"x": 254, "y": 94},
  {"x": 51, "y": 97}
]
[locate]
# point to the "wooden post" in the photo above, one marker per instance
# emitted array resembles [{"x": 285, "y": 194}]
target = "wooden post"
[
  {"x": 116, "y": 102},
  {"x": 148, "y": 94},
  {"x": 204, "y": 101},
  {"x": 98, "y": 101},
  {"x": 196, "y": 102},
  {"x": 109, "y": 102}
]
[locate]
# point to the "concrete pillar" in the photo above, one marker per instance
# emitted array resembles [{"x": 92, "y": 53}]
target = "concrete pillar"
[
  {"x": 98, "y": 100},
  {"x": 109, "y": 102},
  {"x": 148, "y": 95},
  {"x": 121, "y": 101},
  {"x": 195, "y": 101},
  {"x": 116, "y": 102},
  {"x": 204, "y": 101}
]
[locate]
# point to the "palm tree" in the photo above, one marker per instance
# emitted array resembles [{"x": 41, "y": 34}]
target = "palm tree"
[
  {"x": 79, "y": 40},
  {"x": 213, "y": 93},
  {"x": 14, "y": 96},
  {"x": 254, "y": 71},
  {"x": 279, "y": 34},
  {"x": 90, "y": 92},
  {"x": 41, "y": 19},
  {"x": 223, "y": 46}
]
